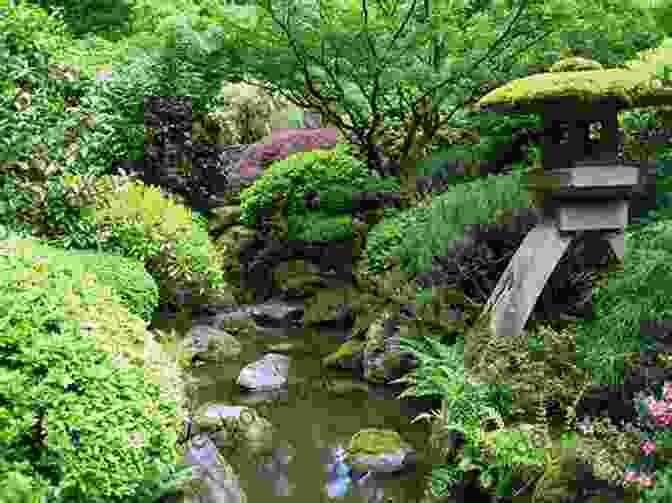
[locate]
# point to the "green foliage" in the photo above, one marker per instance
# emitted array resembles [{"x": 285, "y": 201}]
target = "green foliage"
[
  {"x": 145, "y": 210},
  {"x": 320, "y": 226},
  {"x": 29, "y": 39},
  {"x": 35, "y": 28},
  {"x": 385, "y": 238},
  {"x": 313, "y": 171},
  {"x": 91, "y": 16},
  {"x": 338, "y": 198},
  {"x": 11, "y": 201},
  {"x": 441, "y": 373},
  {"x": 125, "y": 276},
  {"x": 42, "y": 357},
  {"x": 140, "y": 222},
  {"x": 416, "y": 235},
  {"x": 78, "y": 224},
  {"x": 496, "y": 130},
  {"x": 639, "y": 291},
  {"x": 130, "y": 240},
  {"x": 391, "y": 71},
  {"x": 662, "y": 13}
]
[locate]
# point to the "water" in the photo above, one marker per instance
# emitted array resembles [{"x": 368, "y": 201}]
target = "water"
[{"x": 312, "y": 422}]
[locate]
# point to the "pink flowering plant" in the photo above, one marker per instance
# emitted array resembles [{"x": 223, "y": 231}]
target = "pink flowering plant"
[{"x": 656, "y": 417}]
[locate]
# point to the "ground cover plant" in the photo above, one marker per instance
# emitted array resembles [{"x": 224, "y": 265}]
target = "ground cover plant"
[
  {"x": 118, "y": 104},
  {"x": 46, "y": 362}
]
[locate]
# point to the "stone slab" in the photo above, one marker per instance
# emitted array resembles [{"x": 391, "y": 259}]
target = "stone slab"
[{"x": 523, "y": 280}]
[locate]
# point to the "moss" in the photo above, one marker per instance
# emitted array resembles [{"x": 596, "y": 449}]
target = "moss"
[
  {"x": 374, "y": 441},
  {"x": 575, "y": 65},
  {"x": 344, "y": 353},
  {"x": 635, "y": 88}
]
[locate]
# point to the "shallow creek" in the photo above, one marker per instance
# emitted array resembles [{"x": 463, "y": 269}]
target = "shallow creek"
[{"x": 311, "y": 421}]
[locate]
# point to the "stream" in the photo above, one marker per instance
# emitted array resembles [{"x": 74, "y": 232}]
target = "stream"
[{"x": 311, "y": 421}]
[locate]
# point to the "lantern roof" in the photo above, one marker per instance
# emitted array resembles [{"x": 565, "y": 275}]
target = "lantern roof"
[
  {"x": 614, "y": 88},
  {"x": 575, "y": 64}
]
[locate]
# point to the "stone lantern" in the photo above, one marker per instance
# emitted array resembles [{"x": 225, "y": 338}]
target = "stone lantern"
[{"x": 581, "y": 185}]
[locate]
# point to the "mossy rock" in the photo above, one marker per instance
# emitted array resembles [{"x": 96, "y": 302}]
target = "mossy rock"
[
  {"x": 240, "y": 328},
  {"x": 298, "y": 275},
  {"x": 364, "y": 318},
  {"x": 374, "y": 441},
  {"x": 327, "y": 304},
  {"x": 343, "y": 356}
]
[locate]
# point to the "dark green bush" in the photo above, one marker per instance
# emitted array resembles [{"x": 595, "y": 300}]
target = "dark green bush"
[
  {"x": 320, "y": 226},
  {"x": 91, "y": 16},
  {"x": 338, "y": 198}
]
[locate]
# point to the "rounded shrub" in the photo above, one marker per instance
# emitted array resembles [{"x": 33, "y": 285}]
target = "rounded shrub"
[
  {"x": 54, "y": 368},
  {"x": 313, "y": 171},
  {"x": 320, "y": 226},
  {"x": 139, "y": 221},
  {"x": 338, "y": 199}
]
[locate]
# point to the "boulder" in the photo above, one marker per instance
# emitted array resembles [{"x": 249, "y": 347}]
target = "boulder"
[
  {"x": 238, "y": 322},
  {"x": 348, "y": 356},
  {"x": 378, "y": 450},
  {"x": 268, "y": 373},
  {"x": 334, "y": 306},
  {"x": 207, "y": 344},
  {"x": 383, "y": 360},
  {"x": 213, "y": 479},
  {"x": 223, "y": 218},
  {"x": 277, "y": 314},
  {"x": 297, "y": 279},
  {"x": 233, "y": 427}
]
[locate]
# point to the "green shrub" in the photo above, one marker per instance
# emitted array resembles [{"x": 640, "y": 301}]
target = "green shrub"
[
  {"x": 418, "y": 234},
  {"x": 91, "y": 403},
  {"x": 143, "y": 223},
  {"x": 316, "y": 170},
  {"x": 639, "y": 291},
  {"x": 320, "y": 226},
  {"x": 338, "y": 199},
  {"x": 125, "y": 276},
  {"x": 385, "y": 238}
]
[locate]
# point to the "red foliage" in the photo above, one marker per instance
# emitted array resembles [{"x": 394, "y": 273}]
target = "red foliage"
[{"x": 288, "y": 141}]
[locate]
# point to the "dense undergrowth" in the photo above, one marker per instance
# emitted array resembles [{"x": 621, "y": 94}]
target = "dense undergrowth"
[{"x": 30, "y": 40}]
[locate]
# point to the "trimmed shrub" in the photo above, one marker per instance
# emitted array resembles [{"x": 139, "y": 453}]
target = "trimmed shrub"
[{"x": 297, "y": 175}]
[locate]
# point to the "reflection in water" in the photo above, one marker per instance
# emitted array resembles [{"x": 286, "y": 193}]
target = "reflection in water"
[
  {"x": 312, "y": 426},
  {"x": 343, "y": 481},
  {"x": 275, "y": 470}
]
